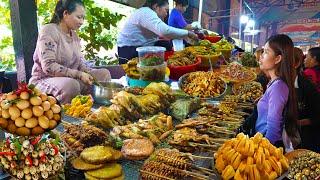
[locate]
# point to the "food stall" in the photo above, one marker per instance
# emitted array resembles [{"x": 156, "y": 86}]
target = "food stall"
[{"x": 168, "y": 124}]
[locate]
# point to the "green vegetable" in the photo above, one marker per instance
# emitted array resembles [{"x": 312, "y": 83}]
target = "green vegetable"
[
  {"x": 163, "y": 145},
  {"x": 84, "y": 99},
  {"x": 153, "y": 73},
  {"x": 31, "y": 86},
  {"x": 249, "y": 60},
  {"x": 151, "y": 61},
  {"x": 119, "y": 144},
  {"x": 115, "y": 141},
  {"x": 205, "y": 43},
  {"x": 223, "y": 44},
  {"x": 18, "y": 146},
  {"x": 55, "y": 136},
  {"x": 179, "y": 94},
  {"x": 183, "y": 107}
]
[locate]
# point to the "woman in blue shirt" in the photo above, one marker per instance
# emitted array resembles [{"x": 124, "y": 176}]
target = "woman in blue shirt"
[
  {"x": 144, "y": 27},
  {"x": 176, "y": 18},
  {"x": 277, "y": 109}
]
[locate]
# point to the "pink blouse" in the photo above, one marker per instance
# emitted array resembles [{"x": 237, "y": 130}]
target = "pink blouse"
[{"x": 57, "y": 55}]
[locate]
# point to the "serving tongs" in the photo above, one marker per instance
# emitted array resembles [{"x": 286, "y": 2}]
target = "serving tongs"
[
  {"x": 211, "y": 69},
  {"x": 96, "y": 82}
]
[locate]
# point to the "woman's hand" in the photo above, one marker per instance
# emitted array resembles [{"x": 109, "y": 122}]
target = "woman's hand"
[
  {"x": 192, "y": 35},
  {"x": 196, "y": 25},
  {"x": 86, "y": 78}
]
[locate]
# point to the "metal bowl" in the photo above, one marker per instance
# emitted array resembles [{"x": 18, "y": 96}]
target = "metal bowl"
[
  {"x": 104, "y": 93},
  {"x": 183, "y": 78}
]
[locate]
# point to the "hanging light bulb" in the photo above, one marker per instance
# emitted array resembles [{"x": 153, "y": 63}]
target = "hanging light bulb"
[
  {"x": 244, "y": 19},
  {"x": 251, "y": 23}
]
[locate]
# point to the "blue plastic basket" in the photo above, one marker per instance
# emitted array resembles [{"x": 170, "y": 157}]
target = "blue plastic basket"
[{"x": 142, "y": 83}]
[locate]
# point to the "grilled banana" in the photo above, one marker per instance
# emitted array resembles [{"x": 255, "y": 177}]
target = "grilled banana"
[
  {"x": 238, "y": 176},
  {"x": 237, "y": 161},
  {"x": 267, "y": 166},
  {"x": 220, "y": 164},
  {"x": 273, "y": 175},
  {"x": 257, "y": 138},
  {"x": 251, "y": 148},
  {"x": 228, "y": 172},
  {"x": 242, "y": 166},
  {"x": 284, "y": 163}
]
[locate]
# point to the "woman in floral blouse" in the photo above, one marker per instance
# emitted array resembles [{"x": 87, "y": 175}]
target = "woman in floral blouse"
[{"x": 59, "y": 67}]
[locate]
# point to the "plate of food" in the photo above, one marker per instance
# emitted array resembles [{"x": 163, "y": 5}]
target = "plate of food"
[
  {"x": 206, "y": 85},
  {"x": 248, "y": 91},
  {"x": 29, "y": 112},
  {"x": 236, "y": 73}
]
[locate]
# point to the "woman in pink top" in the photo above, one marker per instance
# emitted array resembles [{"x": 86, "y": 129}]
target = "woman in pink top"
[
  {"x": 312, "y": 65},
  {"x": 59, "y": 67}
]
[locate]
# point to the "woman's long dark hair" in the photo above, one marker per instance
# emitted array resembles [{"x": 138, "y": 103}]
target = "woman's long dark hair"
[
  {"x": 151, "y": 3},
  {"x": 282, "y": 45},
  {"x": 298, "y": 59},
  {"x": 64, "y": 5},
  {"x": 183, "y": 3},
  {"x": 315, "y": 53}
]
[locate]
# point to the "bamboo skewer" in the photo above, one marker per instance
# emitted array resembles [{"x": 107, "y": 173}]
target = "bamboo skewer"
[
  {"x": 233, "y": 115},
  {"x": 239, "y": 103},
  {"x": 203, "y": 145},
  {"x": 195, "y": 175},
  {"x": 153, "y": 174},
  {"x": 184, "y": 172},
  {"x": 241, "y": 113},
  {"x": 219, "y": 140},
  {"x": 199, "y": 157},
  {"x": 225, "y": 117},
  {"x": 208, "y": 171}
]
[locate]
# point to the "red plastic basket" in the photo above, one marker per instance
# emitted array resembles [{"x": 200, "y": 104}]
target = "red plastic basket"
[
  {"x": 167, "y": 54},
  {"x": 213, "y": 39},
  {"x": 177, "y": 71}
]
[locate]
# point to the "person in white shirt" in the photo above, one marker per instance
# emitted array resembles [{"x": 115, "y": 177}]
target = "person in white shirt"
[{"x": 144, "y": 28}]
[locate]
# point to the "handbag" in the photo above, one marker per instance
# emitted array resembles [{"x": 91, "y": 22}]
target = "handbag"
[
  {"x": 248, "y": 126},
  {"x": 5, "y": 84}
]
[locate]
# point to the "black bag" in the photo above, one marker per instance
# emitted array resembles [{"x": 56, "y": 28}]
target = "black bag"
[
  {"x": 5, "y": 84},
  {"x": 248, "y": 126}
]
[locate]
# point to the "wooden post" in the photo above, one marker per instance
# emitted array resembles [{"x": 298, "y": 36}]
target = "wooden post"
[
  {"x": 224, "y": 23},
  {"x": 25, "y": 34}
]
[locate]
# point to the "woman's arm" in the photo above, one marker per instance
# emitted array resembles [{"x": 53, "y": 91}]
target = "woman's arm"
[
  {"x": 153, "y": 23},
  {"x": 189, "y": 27},
  {"x": 278, "y": 98},
  {"x": 47, "y": 45},
  {"x": 83, "y": 67}
]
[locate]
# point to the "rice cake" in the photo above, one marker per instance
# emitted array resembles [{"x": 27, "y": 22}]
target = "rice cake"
[
  {"x": 78, "y": 163},
  {"x": 88, "y": 177},
  {"x": 96, "y": 155},
  {"x": 109, "y": 171}
]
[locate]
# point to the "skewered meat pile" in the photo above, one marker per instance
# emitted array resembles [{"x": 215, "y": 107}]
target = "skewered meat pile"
[
  {"x": 171, "y": 164},
  {"x": 78, "y": 137}
]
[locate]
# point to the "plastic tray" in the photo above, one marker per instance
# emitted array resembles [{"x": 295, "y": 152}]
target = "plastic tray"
[{"x": 177, "y": 71}]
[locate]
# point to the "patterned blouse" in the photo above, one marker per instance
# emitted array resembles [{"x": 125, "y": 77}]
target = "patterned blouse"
[{"x": 57, "y": 55}]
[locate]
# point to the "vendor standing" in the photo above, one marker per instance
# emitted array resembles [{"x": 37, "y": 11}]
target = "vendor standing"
[
  {"x": 176, "y": 18},
  {"x": 59, "y": 67},
  {"x": 144, "y": 28}
]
